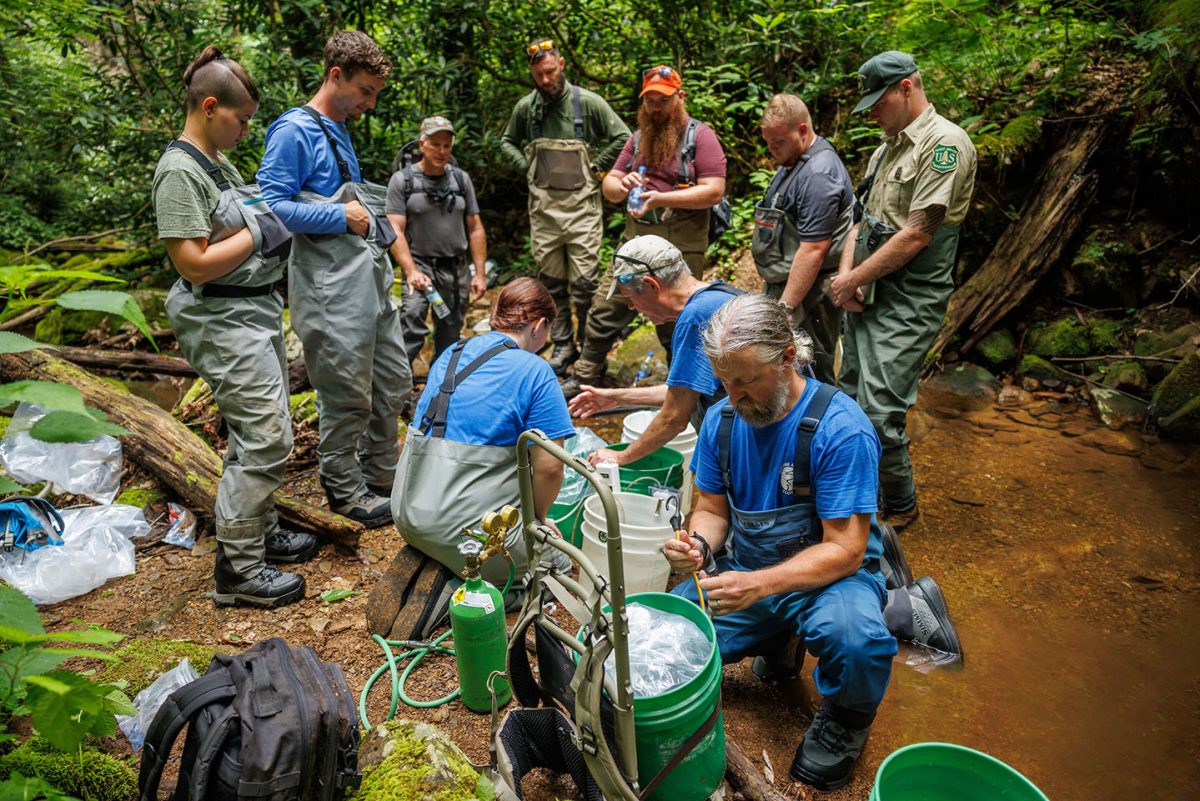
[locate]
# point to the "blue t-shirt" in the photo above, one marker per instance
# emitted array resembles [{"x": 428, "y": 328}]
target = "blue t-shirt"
[
  {"x": 298, "y": 156},
  {"x": 511, "y": 393},
  {"x": 689, "y": 365},
  {"x": 844, "y": 459}
]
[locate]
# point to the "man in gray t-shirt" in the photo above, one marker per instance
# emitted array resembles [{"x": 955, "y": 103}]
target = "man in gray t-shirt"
[
  {"x": 801, "y": 224},
  {"x": 433, "y": 208}
]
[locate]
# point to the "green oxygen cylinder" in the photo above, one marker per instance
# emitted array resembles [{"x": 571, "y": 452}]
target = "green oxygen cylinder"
[{"x": 480, "y": 636}]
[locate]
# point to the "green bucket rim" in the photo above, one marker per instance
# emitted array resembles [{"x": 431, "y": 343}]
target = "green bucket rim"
[
  {"x": 674, "y": 467},
  {"x": 901, "y": 753}
]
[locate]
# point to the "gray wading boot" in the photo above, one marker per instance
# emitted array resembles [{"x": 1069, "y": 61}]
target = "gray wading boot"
[
  {"x": 782, "y": 665},
  {"x": 828, "y": 752},
  {"x": 563, "y": 357},
  {"x": 270, "y": 587},
  {"x": 291, "y": 546},
  {"x": 894, "y": 565},
  {"x": 369, "y": 508},
  {"x": 919, "y": 613}
]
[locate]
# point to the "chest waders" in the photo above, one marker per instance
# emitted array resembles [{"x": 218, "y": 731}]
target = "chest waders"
[
  {"x": 840, "y": 624},
  {"x": 886, "y": 344},
  {"x": 230, "y": 330},
  {"x": 339, "y": 290},
  {"x": 774, "y": 244},
  {"x": 443, "y": 486}
]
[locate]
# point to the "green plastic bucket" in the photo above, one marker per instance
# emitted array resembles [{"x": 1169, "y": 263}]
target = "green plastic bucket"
[
  {"x": 949, "y": 772},
  {"x": 664, "y": 468},
  {"x": 569, "y": 519},
  {"x": 662, "y": 723}
]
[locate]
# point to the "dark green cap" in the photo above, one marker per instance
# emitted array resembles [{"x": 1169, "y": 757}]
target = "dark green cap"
[{"x": 879, "y": 73}]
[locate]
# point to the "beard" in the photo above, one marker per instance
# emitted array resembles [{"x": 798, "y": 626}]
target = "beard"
[
  {"x": 556, "y": 92},
  {"x": 763, "y": 413},
  {"x": 658, "y": 143}
]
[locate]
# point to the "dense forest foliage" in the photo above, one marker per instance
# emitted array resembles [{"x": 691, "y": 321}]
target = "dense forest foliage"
[{"x": 90, "y": 90}]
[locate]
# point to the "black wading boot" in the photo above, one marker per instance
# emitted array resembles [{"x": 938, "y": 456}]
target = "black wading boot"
[
  {"x": 270, "y": 587},
  {"x": 291, "y": 546},
  {"x": 829, "y": 750}
]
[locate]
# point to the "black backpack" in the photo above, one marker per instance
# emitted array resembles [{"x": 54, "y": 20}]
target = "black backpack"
[{"x": 274, "y": 723}]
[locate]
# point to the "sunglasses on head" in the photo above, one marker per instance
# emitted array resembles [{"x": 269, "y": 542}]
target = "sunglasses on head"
[
  {"x": 663, "y": 72},
  {"x": 533, "y": 48},
  {"x": 625, "y": 278}
]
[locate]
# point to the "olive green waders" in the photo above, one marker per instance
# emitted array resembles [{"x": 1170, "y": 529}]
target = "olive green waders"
[
  {"x": 885, "y": 346},
  {"x": 564, "y": 228},
  {"x": 686, "y": 230},
  {"x": 340, "y": 293}
]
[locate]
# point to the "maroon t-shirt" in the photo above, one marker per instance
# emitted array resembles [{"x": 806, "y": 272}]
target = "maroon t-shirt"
[{"x": 710, "y": 162}]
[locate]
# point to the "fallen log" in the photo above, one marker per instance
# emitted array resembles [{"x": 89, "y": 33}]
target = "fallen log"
[
  {"x": 745, "y": 777},
  {"x": 126, "y": 361},
  {"x": 196, "y": 407},
  {"x": 166, "y": 447}
]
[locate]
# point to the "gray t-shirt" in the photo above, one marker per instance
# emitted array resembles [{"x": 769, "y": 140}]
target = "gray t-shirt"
[
  {"x": 436, "y": 215},
  {"x": 817, "y": 195},
  {"x": 184, "y": 195}
]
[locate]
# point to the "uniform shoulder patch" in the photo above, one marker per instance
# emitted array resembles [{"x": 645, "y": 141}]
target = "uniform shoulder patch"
[{"x": 945, "y": 158}]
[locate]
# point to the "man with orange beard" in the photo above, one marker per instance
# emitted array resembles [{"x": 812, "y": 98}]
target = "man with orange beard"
[{"x": 684, "y": 179}]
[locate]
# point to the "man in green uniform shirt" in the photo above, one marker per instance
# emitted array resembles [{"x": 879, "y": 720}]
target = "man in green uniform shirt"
[
  {"x": 896, "y": 281},
  {"x": 563, "y": 138}
]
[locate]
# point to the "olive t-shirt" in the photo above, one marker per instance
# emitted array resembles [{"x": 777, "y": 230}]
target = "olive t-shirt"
[
  {"x": 434, "y": 215},
  {"x": 184, "y": 195}
]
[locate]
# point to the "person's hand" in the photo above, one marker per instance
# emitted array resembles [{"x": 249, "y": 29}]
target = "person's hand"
[
  {"x": 478, "y": 286},
  {"x": 855, "y": 304},
  {"x": 590, "y": 400},
  {"x": 731, "y": 591},
  {"x": 845, "y": 290},
  {"x": 603, "y": 455},
  {"x": 630, "y": 180},
  {"x": 419, "y": 281},
  {"x": 651, "y": 199},
  {"x": 683, "y": 555},
  {"x": 358, "y": 221}
]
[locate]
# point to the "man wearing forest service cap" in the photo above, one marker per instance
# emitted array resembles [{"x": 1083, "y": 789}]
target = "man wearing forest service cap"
[{"x": 896, "y": 280}]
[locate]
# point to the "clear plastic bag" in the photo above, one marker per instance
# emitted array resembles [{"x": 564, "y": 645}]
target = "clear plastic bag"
[
  {"x": 81, "y": 468},
  {"x": 665, "y": 650},
  {"x": 149, "y": 700},
  {"x": 96, "y": 547},
  {"x": 182, "y": 531},
  {"x": 575, "y": 487}
]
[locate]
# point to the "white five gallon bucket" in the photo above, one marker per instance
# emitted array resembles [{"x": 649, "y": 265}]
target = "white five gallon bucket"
[
  {"x": 645, "y": 526},
  {"x": 635, "y": 425}
]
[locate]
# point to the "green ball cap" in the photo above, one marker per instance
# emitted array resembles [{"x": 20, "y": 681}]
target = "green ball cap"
[{"x": 879, "y": 73}]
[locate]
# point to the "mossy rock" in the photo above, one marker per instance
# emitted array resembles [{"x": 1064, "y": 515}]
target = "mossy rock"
[
  {"x": 303, "y": 404},
  {"x": 623, "y": 366},
  {"x": 1175, "y": 399},
  {"x": 141, "y": 496},
  {"x": 1126, "y": 375},
  {"x": 89, "y": 775},
  {"x": 962, "y": 386},
  {"x": 1105, "y": 271},
  {"x": 66, "y": 327},
  {"x": 407, "y": 759},
  {"x": 4, "y": 421},
  {"x": 998, "y": 348},
  {"x": 1065, "y": 337},
  {"x": 1044, "y": 372},
  {"x": 1165, "y": 343},
  {"x": 1104, "y": 335},
  {"x": 144, "y": 660}
]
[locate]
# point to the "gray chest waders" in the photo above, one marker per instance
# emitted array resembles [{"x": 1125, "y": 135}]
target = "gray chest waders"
[{"x": 230, "y": 331}]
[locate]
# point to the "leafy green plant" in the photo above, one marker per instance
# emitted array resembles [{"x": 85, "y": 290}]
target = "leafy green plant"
[
  {"x": 31, "y": 789},
  {"x": 120, "y": 304}
]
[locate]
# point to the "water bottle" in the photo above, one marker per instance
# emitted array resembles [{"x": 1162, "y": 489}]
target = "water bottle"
[
  {"x": 635, "y": 202},
  {"x": 440, "y": 309},
  {"x": 643, "y": 371}
]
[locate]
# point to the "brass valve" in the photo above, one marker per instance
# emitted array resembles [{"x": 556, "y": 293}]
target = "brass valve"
[{"x": 496, "y": 526}]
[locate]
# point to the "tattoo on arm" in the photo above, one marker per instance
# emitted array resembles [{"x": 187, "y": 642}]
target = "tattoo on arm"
[{"x": 927, "y": 219}]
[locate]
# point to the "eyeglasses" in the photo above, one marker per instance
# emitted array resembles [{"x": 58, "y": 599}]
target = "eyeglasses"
[
  {"x": 625, "y": 278},
  {"x": 663, "y": 72},
  {"x": 544, "y": 46}
]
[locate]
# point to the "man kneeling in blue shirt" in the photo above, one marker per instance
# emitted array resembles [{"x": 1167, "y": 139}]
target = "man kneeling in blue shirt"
[{"x": 788, "y": 470}]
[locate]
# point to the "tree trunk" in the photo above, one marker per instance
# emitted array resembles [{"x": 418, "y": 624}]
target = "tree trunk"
[
  {"x": 745, "y": 777},
  {"x": 166, "y": 447},
  {"x": 126, "y": 361},
  {"x": 1033, "y": 243}
]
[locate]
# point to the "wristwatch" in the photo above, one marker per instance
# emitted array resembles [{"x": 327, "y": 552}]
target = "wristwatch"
[{"x": 787, "y": 307}]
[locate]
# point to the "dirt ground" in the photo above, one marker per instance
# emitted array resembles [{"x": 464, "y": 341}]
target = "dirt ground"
[{"x": 1067, "y": 552}]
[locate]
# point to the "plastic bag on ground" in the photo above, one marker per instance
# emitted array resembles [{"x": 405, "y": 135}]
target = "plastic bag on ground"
[
  {"x": 80, "y": 468},
  {"x": 96, "y": 547},
  {"x": 575, "y": 487},
  {"x": 665, "y": 650},
  {"x": 150, "y": 699},
  {"x": 182, "y": 531}
]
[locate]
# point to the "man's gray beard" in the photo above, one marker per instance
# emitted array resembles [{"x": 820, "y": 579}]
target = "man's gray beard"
[
  {"x": 558, "y": 90},
  {"x": 767, "y": 412}
]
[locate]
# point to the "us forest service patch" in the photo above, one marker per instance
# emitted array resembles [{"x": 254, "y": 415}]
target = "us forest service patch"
[{"x": 945, "y": 158}]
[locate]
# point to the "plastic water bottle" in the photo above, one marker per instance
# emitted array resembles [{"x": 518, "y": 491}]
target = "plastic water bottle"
[
  {"x": 440, "y": 309},
  {"x": 635, "y": 202},
  {"x": 644, "y": 370}
]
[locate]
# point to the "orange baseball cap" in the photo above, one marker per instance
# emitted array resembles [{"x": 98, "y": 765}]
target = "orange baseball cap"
[{"x": 661, "y": 79}]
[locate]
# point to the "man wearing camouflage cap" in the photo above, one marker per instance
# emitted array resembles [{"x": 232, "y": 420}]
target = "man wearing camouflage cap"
[{"x": 896, "y": 280}]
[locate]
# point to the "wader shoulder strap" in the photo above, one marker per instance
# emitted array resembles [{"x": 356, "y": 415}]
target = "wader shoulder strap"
[
  {"x": 577, "y": 116},
  {"x": 343, "y": 167},
  {"x": 213, "y": 170},
  {"x": 787, "y": 181},
  {"x": 863, "y": 191},
  {"x": 687, "y": 153},
  {"x": 724, "y": 445},
  {"x": 410, "y": 187},
  {"x": 802, "y": 486},
  {"x": 435, "y": 416}
]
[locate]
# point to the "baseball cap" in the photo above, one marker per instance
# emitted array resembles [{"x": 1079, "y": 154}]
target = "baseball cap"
[
  {"x": 642, "y": 255},
  {"x": 432, "y": 125},
  {"x": 661, "y": 79},
  {"x": 879, "y": 73}
]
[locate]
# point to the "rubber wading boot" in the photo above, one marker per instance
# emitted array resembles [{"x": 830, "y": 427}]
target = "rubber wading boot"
[
  {"x": 291, "y": 546},
  {"x": 369, "y": 508},
  {"x": 828, "y": 752},
  {"x": 901, "y": 519},
  {"x": 571, "y": 386},
  {"x": 563, "y": 357},
  {"x": 782, "y": 665},
  {"x": 412, "y": 598},
  {"x": 894, "y": 565},
  {"x": 270, "y": 587}
]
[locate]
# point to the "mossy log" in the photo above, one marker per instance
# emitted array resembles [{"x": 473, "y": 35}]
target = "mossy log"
[
  {"x": 126, "y": 361},
  {"x": 166, "y": 447},
  {"x": 1033, "y": 243},
  {"x": 195, "y": 407}
]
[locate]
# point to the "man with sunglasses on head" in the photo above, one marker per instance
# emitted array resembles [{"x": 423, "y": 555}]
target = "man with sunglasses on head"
[
  {"x": 563, "y": 138},
  {"x": 895, "y": 282},
  {"x": 685, "y": 178},
  {"x": 654, "y": 278}
]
